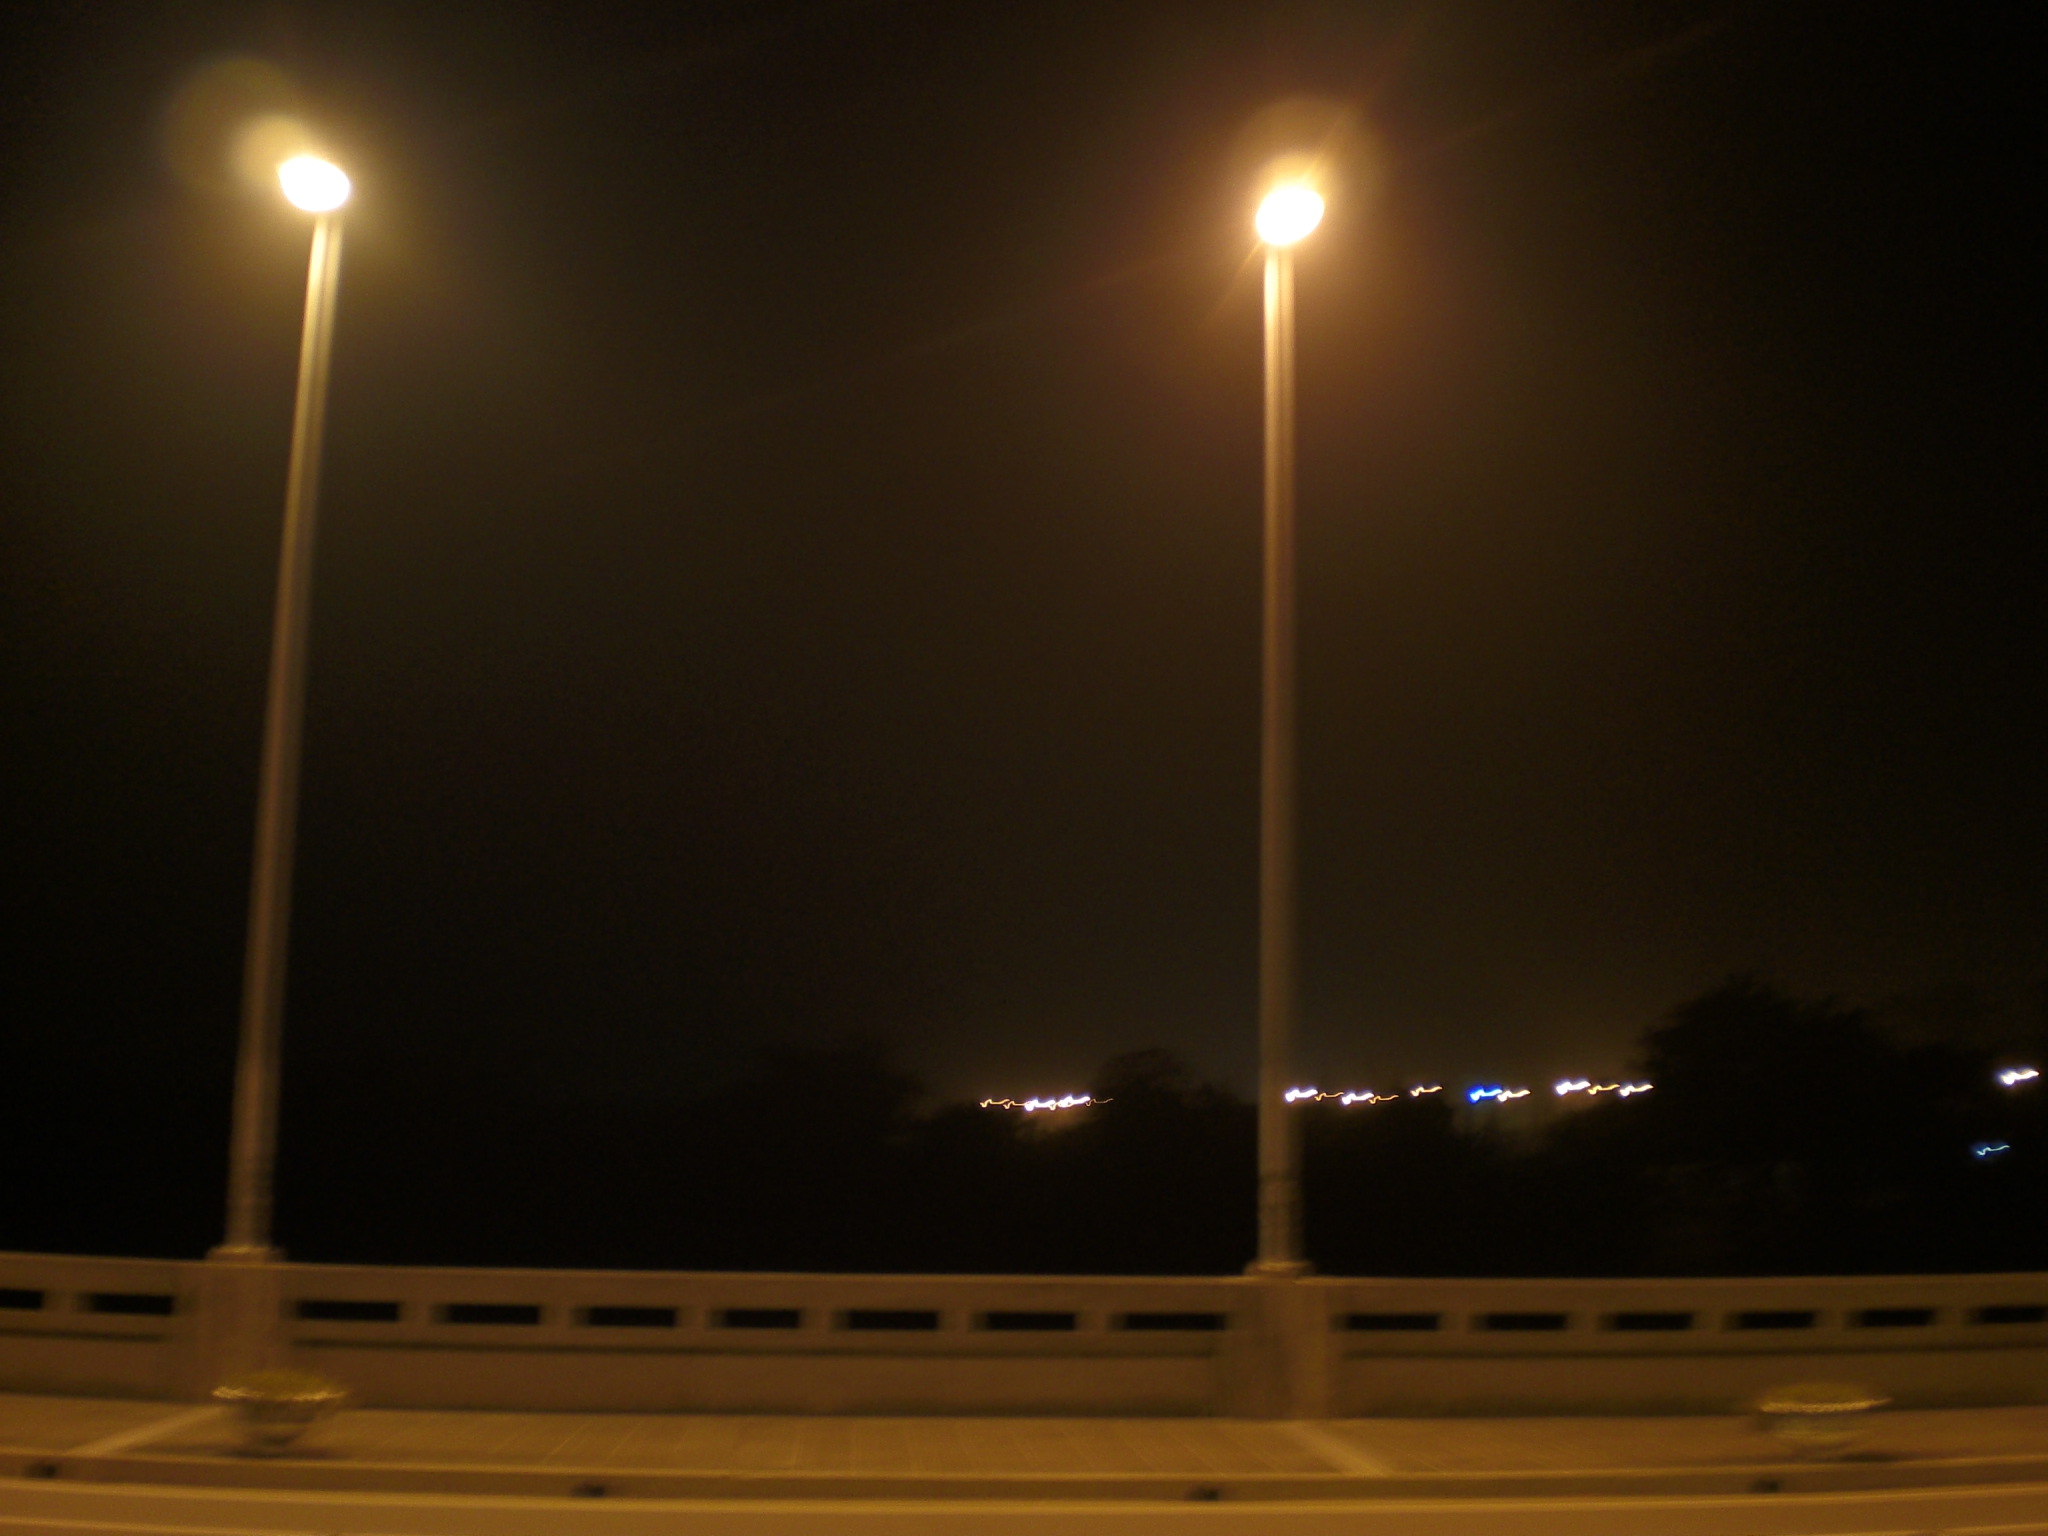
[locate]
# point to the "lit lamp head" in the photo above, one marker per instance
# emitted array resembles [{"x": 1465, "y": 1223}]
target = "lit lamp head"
[
  {"x": 316, "y": 185},
  {"x": 1289, "y": 213}
]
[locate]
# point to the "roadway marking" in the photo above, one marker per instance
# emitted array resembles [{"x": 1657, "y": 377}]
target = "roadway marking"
[
  {"x": 1337, "y": 1450},
  {"x": 128, "y": 1438}
]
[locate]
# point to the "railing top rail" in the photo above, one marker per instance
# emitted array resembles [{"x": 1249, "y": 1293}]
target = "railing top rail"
[{"x": 397, "y": 1274}]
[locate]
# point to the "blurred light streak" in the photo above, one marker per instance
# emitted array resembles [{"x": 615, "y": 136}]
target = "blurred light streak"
[
  {"x": 1346, "y": 1095},
  {"x": 1033, "y": 1106},
  {"x": 2012, "y": 1077},
  {"x": 1989, "y": 1149}
]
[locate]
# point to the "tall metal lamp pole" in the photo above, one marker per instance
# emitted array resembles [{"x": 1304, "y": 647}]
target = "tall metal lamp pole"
[
  {"x": 321, "y": 189},
  {"x": 1288, "y": 214}
]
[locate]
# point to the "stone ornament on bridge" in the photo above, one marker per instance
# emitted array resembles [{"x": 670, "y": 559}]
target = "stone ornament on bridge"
[
  {"x": 278, "y": 1406},
  {"x": 1816, "y": 1418}
]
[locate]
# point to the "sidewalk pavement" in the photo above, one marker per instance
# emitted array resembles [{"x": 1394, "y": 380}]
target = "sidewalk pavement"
[{"x": 744, "y": 1456}]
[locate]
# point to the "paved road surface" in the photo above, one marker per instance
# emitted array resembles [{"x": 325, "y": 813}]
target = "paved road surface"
[
  {"x": 83, "y": 1465},
  {"x": 84, "y": 1510}
]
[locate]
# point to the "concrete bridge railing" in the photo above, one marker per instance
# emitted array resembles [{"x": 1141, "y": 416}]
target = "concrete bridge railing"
[{"x": 998, "y": 1344}]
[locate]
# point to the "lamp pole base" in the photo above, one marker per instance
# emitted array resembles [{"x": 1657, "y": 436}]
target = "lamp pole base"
[
  {"x": 239, "y": 1303},
  {"x": 1279, "y": 1269}
]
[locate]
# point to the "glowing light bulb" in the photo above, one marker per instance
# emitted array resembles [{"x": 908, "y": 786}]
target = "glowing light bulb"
[
  {"x": 316, "y": 185},
  {"x": 1288, "y": 214}
]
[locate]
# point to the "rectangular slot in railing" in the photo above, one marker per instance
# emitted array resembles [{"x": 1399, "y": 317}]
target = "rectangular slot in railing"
[
  {"x": 1649, "y": 1322},
  {"x": 629, "y": 1317},
  {"x": 889, "y": 1320},
  {"x": 1895, "y": 1317},
  {"x": 760, "y": 1317},
  {"x": 314, "y": 1309},
  {"x": 1773, "y": 1319},
  {"x": 13, "y": 1299},
  {"x": 1174, "y": 1322},
  {"x": 1029, "y": 1322},
  {"x": 2010, "y": 1314},
  {"x": 512, "y": 1314},
  {"x": 1393, "y": 1322},
  {"x": 1524, "y": 1322},
  {"x": 130, "y": 1303}
]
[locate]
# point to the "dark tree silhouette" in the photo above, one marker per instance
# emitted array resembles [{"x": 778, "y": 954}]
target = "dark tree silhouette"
[
  {"x": 1789, "y": 1135},
  {"x": 1784, "y": 1135}
]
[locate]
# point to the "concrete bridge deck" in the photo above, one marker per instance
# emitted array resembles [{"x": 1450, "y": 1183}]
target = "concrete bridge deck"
[{"x": 667, "y": 1456}]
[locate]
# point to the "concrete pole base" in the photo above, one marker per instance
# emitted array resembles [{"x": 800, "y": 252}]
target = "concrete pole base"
[
  {"x": 240, "y": 1303},
  {"x": 1281, "y": 1359}
]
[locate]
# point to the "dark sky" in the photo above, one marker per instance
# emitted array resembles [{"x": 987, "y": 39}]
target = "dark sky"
[{"x": 790, "y": 543}]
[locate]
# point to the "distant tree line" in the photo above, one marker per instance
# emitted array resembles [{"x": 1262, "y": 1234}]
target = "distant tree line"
[{"x": 1783, "y": 1136}]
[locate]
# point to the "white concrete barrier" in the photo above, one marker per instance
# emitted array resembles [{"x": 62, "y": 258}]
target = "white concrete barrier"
[{"x": 999, "y": 1344}]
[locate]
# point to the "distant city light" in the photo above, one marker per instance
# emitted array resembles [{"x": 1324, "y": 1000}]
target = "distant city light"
[
  {"x": 1033, "y": 1106},
  {"x": 1984, "y": 1149},
  {"x": 1347, "y": 1096},
  {"x": 1309, "y": 1093},
  {"x": 1496, "y": 1093},
  {"x": 2012, "y": 1077}
]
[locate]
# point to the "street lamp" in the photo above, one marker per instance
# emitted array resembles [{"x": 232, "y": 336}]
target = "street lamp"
[
  {"x": 1288, "y": 214},
  {"x": 319, "y": 188}
]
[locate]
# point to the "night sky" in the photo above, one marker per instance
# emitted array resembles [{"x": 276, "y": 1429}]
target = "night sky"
[{"x": 789, "y": 561}]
